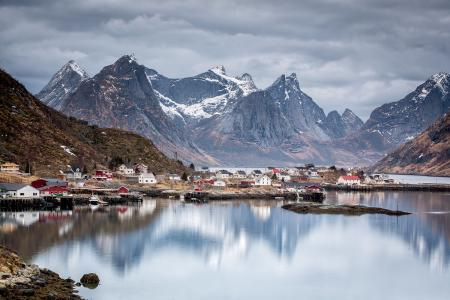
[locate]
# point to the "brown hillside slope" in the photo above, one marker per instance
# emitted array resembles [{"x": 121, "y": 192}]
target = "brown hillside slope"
[
  {"x": 33, "y": 132},
  {"x": 427, "y": 154}
]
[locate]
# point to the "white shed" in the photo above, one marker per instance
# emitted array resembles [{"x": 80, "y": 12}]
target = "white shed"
[
  {"x": 18, "y": 191},
  {"x": 263, "y": 180},
  {"x": 147, "y": 178}
]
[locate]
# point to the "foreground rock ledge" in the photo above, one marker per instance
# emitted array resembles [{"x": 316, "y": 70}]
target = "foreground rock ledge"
[
  {"x": 348, "y": 210},
  {"x": 21, "y": 281}
]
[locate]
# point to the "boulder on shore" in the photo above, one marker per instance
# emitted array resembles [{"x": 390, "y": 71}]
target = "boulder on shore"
[{"x": 90, "y": 280}]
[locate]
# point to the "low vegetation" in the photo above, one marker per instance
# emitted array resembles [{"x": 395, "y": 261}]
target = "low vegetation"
[{"x": 46, "y": 141}]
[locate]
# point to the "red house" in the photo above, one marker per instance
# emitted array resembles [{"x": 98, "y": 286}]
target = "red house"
[
  {"x": 54, "y": 190},
  {"x": 42, "y": 182},
  {"x": 103, "y": 175},
  {"x": 123, "y": 190}
]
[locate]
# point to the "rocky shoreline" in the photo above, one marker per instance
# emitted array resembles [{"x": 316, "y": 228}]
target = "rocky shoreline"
[
  {"x": 348, "y": 210},
  {"x": 19, "y": 280}
]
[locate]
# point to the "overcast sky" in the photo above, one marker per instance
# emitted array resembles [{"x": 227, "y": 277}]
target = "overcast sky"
[{"x": 346, "y": 53}]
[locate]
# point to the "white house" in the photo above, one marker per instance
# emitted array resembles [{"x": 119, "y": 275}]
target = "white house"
[
  {"x": 219, "y": 183},
  {"x": 283, "y": 176},
  {"x": 9, "y": 167},
  {"x": 147, "y": 178},
  {"x": 223, "y": 174},
  {"x": 313, "y": 173},
  {"x": 141, "y": 168},
  {"x": 263, "y": 180},
  {"x": 349, "y": 180},
  {"x": 74, "y": 174},
  {"x": 240, "y": 174},
  {"x": 18, "y": 191},
  {"x": 174, "y": 177},
  {"x": 125, "y": 170}
]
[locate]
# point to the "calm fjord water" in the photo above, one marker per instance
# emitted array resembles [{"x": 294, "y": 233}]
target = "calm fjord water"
[{"x": 246, "y": 250}]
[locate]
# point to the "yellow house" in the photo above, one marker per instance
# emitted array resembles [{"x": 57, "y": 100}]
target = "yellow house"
[{"x": 9, "y": 167}]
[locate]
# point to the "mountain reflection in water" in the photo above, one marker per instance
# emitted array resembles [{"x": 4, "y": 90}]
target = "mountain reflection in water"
[{"x": 231, "y": 235}]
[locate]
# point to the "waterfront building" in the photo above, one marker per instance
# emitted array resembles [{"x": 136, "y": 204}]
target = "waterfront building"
[
  {"x": 147, "y": 178},
  {"x": 219, "y": 183},
  {"x": 349, "y": 180},
  {"x": 240, "y": 174},
  {"x": 174, "y": 177},
  {"x": 263, "y": 180},
  {"x": 14, "y": 190},
  {"x": 124, "y": 170},
  {"x": 223, "y": 174}
]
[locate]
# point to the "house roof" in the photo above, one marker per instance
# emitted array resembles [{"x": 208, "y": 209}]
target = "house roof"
[
  {"x": 347, "y": 177},
  {"x": 241, "y": 172},
  {"x": 257, "y": 172},
  {"x": 11, "y": 186},
  {"x": 9, "y": 164}
]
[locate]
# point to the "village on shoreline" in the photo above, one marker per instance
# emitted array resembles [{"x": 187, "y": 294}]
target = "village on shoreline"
[{"x": 131, "y": 182}]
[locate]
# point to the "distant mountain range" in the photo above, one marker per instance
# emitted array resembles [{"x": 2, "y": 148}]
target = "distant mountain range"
[
  {"x": 217, "y": 119},
  {"x": 33, "y": 133},
  {"x": 428, "y": 153}
]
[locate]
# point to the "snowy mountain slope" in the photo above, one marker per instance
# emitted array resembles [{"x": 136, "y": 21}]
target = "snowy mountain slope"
[
  {"x": 64, "y": 82},
  {"x": 201, "y": 96},
  {"x": 398, "y": 122}
]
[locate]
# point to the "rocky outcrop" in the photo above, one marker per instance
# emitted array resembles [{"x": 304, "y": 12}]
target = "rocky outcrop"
[
  {"x": 428, "y": 153},
  {"x": 19, "y": 280}
]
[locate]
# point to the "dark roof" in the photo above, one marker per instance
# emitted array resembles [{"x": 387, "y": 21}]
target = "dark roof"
[
  {"x": 257, "y": 172},
  {"x": 11, "y": 186}
]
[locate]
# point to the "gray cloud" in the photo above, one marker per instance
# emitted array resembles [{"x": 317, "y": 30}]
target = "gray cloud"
[{"x": 347, "y": 53}]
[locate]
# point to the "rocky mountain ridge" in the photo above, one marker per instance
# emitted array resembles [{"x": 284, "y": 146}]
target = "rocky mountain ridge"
[
  {"x": 216, "y": 119},
  {"x": 428, "y": 153}
]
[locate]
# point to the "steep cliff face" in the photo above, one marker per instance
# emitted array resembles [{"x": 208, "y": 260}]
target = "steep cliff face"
[
  {"x": 64, "y": 82},
  {"x": 399, "y": 122},
  {"x": 428, "y": 153},
  {"x": 53, "y": 140},
  {"x": 121, "y": 96}
]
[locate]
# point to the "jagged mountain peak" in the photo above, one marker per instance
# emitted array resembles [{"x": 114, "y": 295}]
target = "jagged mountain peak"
[
  {"x": 219, "y": 70},
  {"x": 245, "y": 77},
  {"x": 72, "y": 65},
  {"x": 62, "y": 83},
  {"x": 333, "y": 113},
  {"x": 439, "y": 77}
]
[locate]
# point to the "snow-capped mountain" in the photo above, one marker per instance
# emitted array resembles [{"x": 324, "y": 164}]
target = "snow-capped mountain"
[
  {"x": 202, "y": 96},
  {"x": 64, "y": 82},
  {"x": 217, "y": 118},
  {"x": 399, "y": 122},
  {"x": 121, "y": 96}
]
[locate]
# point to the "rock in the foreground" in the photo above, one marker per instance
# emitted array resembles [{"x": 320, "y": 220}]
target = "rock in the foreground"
[
  {"x": 90, "y": 280},
  {"x": 348, "y": 210},
  {"x": 21, "y": 281}
]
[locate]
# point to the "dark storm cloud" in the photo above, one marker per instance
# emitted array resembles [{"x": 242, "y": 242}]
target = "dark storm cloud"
[{"x": 346, "y": 53}]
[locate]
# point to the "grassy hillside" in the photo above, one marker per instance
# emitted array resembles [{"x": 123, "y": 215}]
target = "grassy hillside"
[
  {"x": 32, "y": 133},
  {"x": 427, "y": 154}
]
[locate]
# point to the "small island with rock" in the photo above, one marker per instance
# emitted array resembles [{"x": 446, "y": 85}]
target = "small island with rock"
[{"x": 344, "y": 209}]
